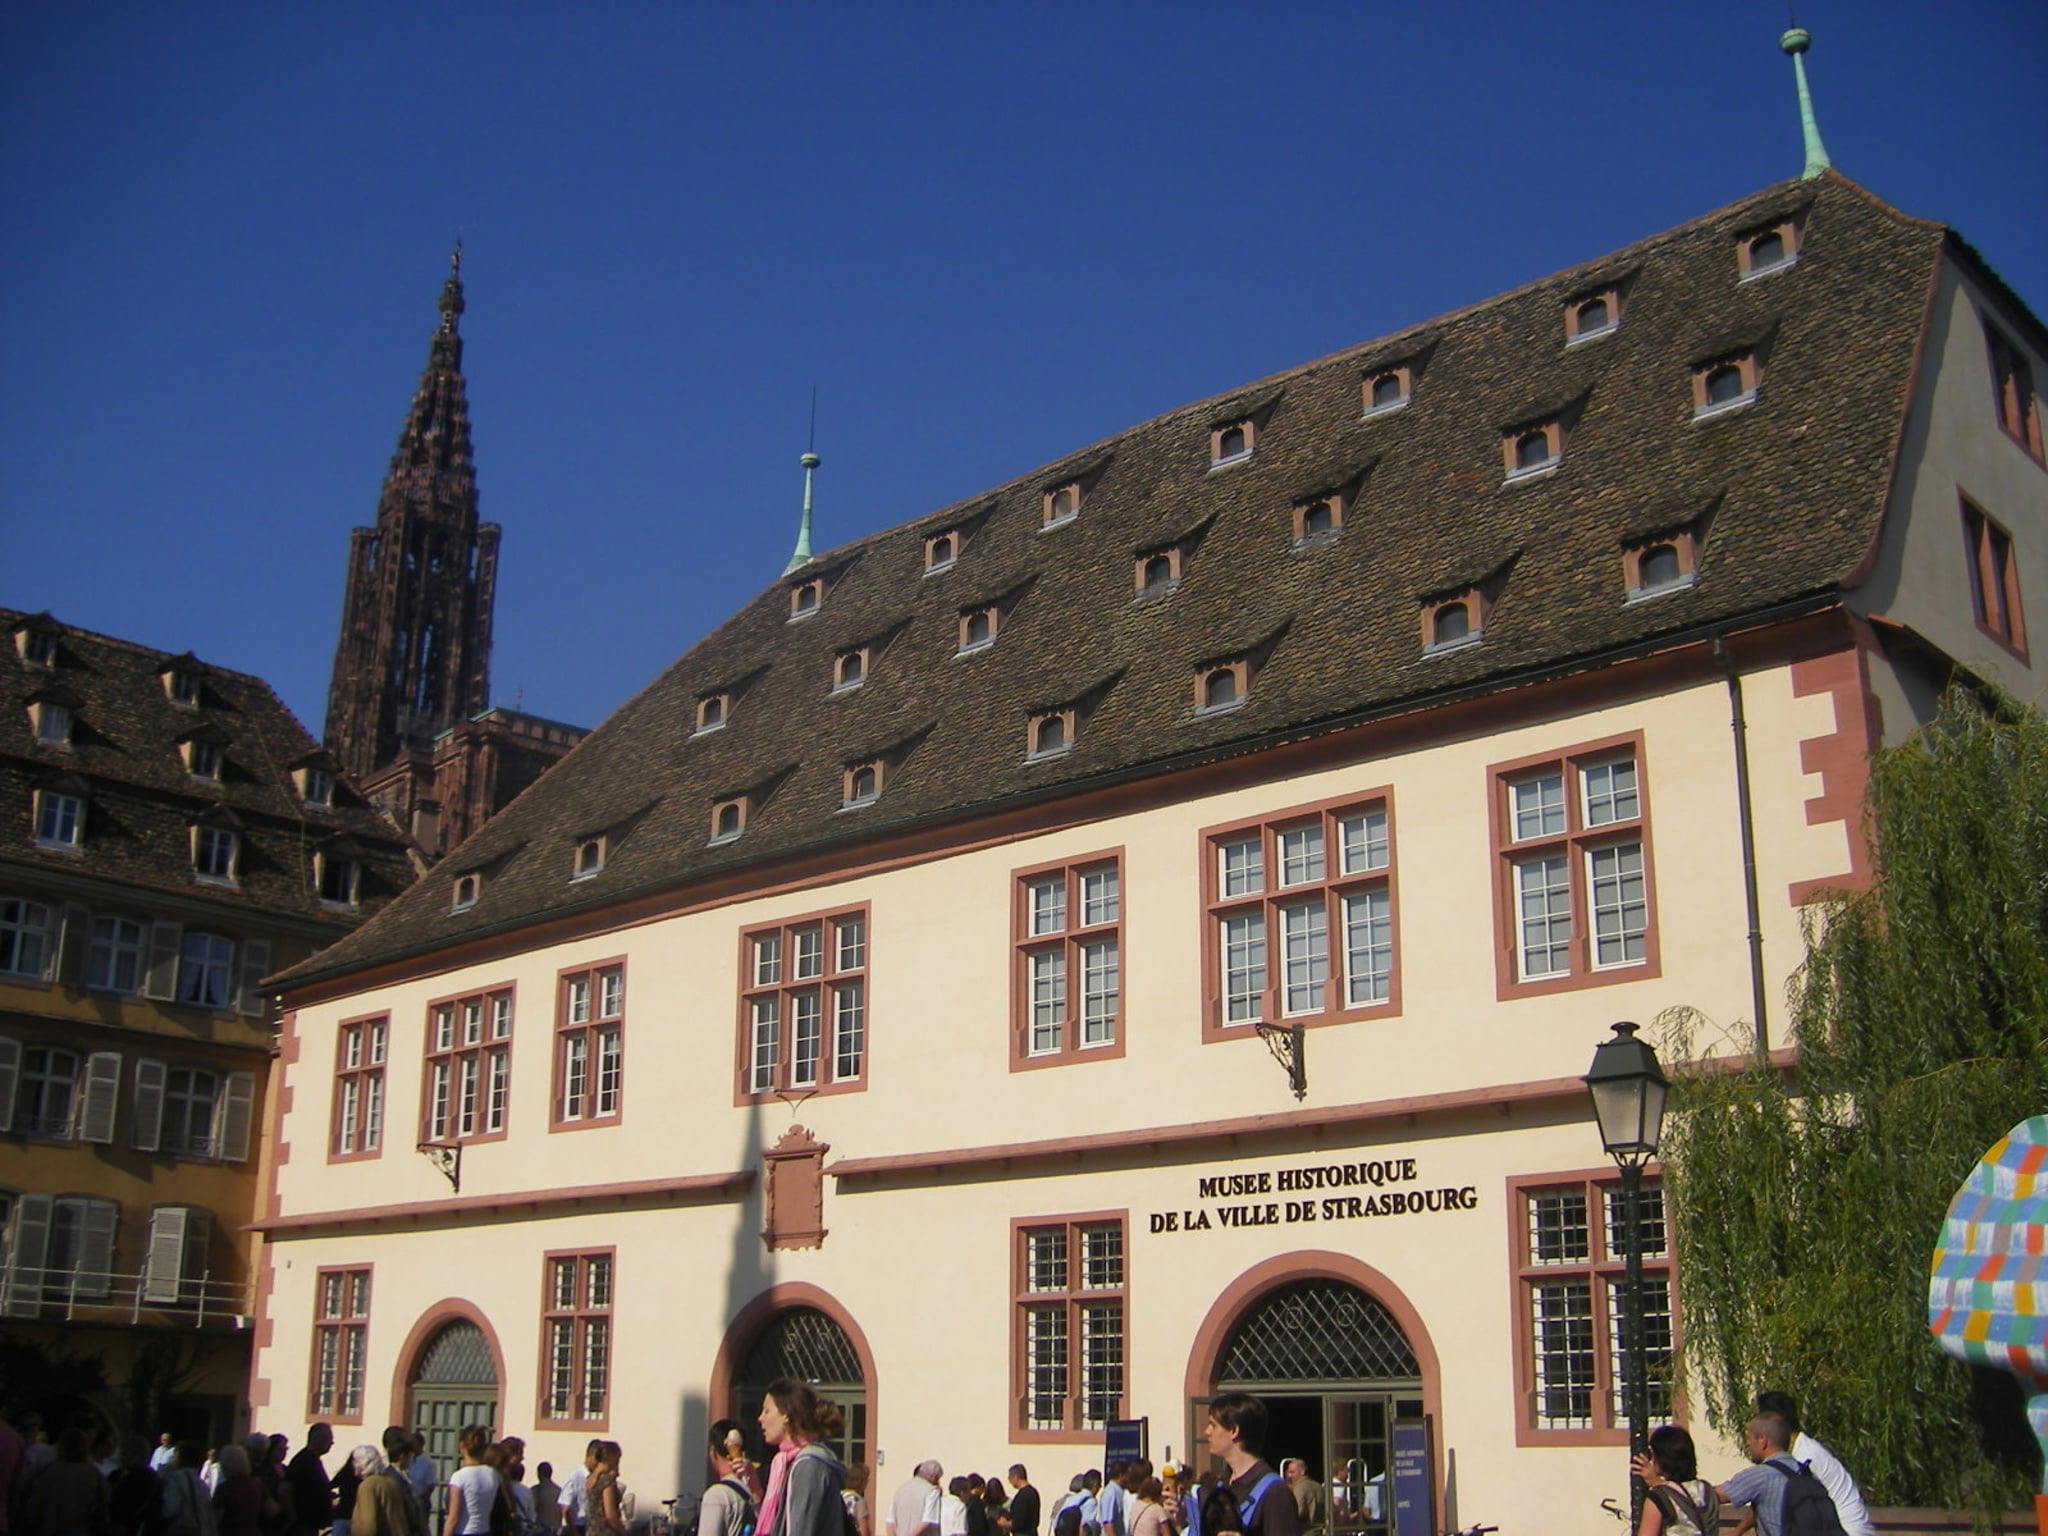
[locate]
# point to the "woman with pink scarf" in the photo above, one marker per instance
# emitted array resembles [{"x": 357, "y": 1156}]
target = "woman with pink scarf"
[{"x": 804, "y": 1479}]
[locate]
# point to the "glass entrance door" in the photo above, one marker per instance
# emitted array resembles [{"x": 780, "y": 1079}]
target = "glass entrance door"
[{"x": 1359, "y": 1438}]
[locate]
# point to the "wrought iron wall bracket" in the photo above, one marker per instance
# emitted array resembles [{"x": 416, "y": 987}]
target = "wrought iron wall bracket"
[
  {"x": 446, "y": 1156},
  {"x": 1288, "y": 1043}
]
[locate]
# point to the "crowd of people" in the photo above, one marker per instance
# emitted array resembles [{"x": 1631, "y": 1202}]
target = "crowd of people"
[{"x": 76, "y": 1487}]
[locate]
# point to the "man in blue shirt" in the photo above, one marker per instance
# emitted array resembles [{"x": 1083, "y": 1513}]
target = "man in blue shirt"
[{"x": 1768, "y": 1439}]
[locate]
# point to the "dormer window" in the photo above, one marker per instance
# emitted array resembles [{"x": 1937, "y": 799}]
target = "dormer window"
[
  {"x": 467, "y": 889},
  {"x": 805, "y": 598},
  {"x": 711, "y": 713},
  {"x": 1231, "y": 443},
  {"x": 978, "y": 629},
  {"x": 1221, "y": 688},
  {"x": 1052, "y": 735},
  {"x": 316, "y": 786},
  {"x": 862, "y": 786},
  {"x": 728, "y": 820},
  {"x": 53, "y": 723},
  {"x": 1532, "y": 451},
  {"x": 850, "y": 669},
  {"x": 182, "y": 688},
  {"x": 1453, "y": 624},
  {"x": 1593, "y": 315},
  {"x": 38, "y": 647},
  {"x": 589, "y": 860},
  {"x": 941, "y": 550},
  {"x": 1667, "y": 564},
  {"x": 1062, "y": 506},
  {"x": 60, "y": 819},
  {"x": 1158, "y": 572},
  {"x": 216, "y": 854},
  {"x": 1387, "y": 390},
  {"x": 1723, "y": 386},
  {"x": 1768, "y": 250},
  {"x": 1318, "y": 520},
  {"x": 202, "y": 758},
  {"x": 340, "y": 879}
]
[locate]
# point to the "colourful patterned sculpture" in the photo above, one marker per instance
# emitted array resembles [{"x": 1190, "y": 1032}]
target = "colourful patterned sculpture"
[{"x": 1987, "y": 1299}]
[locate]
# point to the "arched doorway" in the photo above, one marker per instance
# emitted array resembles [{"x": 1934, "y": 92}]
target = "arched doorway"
[
  {"x": 804, "y": 1343},
  {"x": 1337, "y": 1355},
  {"x": 454, "y": 1382}
]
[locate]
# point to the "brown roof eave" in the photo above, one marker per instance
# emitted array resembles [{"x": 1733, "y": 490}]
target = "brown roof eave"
[{"x": 308, "y": 981}]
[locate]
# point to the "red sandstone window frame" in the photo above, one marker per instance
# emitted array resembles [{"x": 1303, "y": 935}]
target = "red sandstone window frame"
[
  {"x": 850, "y": 668},
  {"x": 1601, "y": 1269},
  {"x": 969, "y": 646},
  {"x": 2014, "y": 403},
  {"x": 590, "y": 1043},
  {"x": 806, "y": 598},
  {"x": 1332, "y": 506},
  {"x": 1248, "y": 442},
  {"x": 850, "y": 796},
  {"x": 1404, "y": 376},
  {"x": 1575, "y": 329},
  {"x": 942, "y": 550},
  {"x": 713, "y": 710},
  {"x": 840, "y": 977},
  {"x": 1994, "y": 579},
  {"x": 361, "y": 1106},
  {"x": 341, "y": 1324},
  {"x": 1071, "y": 1302},
  {"x": 1143, "y": 563},
  {"x": 1476, "y": 608},
  {"x": 735, "y": 810},
  {"x": 1239, "y": 672},
  {"x": 1061, "y": 506},
  {"x": 1575, "y": 843},
  {"x": 1068, "y": 724},
  {"x": 469, "y": 888},
  {"x": 1267, "y": 892},
  {"x": 490, "y": 1049},
  {"x": 1787, "y": 230},
  {"x": 1745, "y": 365},
  {"x": 580, "y": 1316},
  {"x": 1034, "y": 935},
  {"x": 1511, "y": 443},
  {"x": 1683, "y": 544}
]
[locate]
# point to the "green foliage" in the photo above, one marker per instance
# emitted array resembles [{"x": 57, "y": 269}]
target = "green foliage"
[{"x": 1804, "y": 1212}]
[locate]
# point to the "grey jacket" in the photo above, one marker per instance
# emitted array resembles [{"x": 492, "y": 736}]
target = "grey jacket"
[{"x": 811, "y": 1505}]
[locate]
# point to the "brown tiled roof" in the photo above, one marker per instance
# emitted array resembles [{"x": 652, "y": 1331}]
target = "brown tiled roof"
[
  {"x": 141, "y": 800},
  {"x": 1796, "y": 482}
]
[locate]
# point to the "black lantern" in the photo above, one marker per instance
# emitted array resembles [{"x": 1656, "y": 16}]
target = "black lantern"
[{"x": 1628, "y": 1089}]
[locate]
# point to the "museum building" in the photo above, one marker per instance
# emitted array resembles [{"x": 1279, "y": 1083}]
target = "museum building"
[{"x": 901, "y": 990}]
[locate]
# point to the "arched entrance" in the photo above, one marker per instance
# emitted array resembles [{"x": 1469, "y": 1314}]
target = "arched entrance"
[
  {"x": 798, "y": 1331},
  {"x": 1337, "y": 1356},
  {"x": 454, "y": 1382}
]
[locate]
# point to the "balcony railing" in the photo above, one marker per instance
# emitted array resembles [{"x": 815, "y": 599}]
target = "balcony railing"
[{"x": 141, "y": 1300}]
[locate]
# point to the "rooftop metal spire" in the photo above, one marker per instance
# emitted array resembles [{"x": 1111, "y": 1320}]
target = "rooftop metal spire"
[
  {"x": 801, "y": 555},
  {"x": 1795, "y": 42}
]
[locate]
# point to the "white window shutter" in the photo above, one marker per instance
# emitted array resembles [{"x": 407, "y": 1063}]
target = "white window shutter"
[
  {"x": 231, "y": 1125},
  {"x": 73, "y": 941},
  {"x": 198, "y": 1238},
  {"x": 255, "y": 966},
  {"x": 161, "y": 980},
  {"x": 10, "y": 1074},
  {"x": 164, "y": 1268},
  {"x": 148, "y": 1129},
  {"x": 96, "y": 1247},
  {"x": 97, "y": 1103},
  {"x": 28, "y": 1248}
]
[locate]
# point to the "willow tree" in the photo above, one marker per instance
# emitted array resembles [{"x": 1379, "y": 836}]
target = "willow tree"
[{"x": 1805, "y": 1206}]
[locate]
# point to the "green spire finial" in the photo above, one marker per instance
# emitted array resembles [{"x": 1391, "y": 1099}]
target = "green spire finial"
[
  {"x": 1795, "y": 42},
  {"x": 809, "y": 459}
]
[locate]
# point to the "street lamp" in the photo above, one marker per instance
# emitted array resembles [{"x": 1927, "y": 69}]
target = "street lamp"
[{"x": 1628, "y": 1087}]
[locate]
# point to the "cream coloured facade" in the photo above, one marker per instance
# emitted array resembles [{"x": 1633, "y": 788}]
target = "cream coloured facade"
[{"x": 1005, "y": 1155}]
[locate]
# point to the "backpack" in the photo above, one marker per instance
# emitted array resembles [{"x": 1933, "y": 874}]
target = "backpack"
[
  {"x": 1809, "y": 1507},
  {"x": 748, "y": 1512},
  {"x": 1245, "y": 1510},
  {"x": 1682, "y": 1515},
  {"x": 1068, "y": 1521}
]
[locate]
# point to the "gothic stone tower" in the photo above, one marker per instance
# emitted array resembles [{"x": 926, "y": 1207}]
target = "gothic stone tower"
[{"x": 415, "y": 650}]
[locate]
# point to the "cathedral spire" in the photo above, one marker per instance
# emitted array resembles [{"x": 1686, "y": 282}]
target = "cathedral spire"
[
  {"x": 1795, "y": 42},
  {"x": 414, "y": 653}
]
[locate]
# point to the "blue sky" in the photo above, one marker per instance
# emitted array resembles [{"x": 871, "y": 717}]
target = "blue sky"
[{"x": 988, "y": 232}]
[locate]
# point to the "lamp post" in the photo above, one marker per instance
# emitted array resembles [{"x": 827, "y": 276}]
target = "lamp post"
[{"x": 1628, "y": 1087}]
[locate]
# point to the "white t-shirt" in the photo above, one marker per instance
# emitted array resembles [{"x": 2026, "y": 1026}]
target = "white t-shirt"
[
  {"x": 952, "y": 1515},
  {"x": 479, "y": 1489},
  {"x": 1840, "y": 1485},
  {"x": 571, "y": 1497}
]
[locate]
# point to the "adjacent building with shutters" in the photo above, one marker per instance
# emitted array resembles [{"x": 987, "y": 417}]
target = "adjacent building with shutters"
[{"x": 169, "y": 835}]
